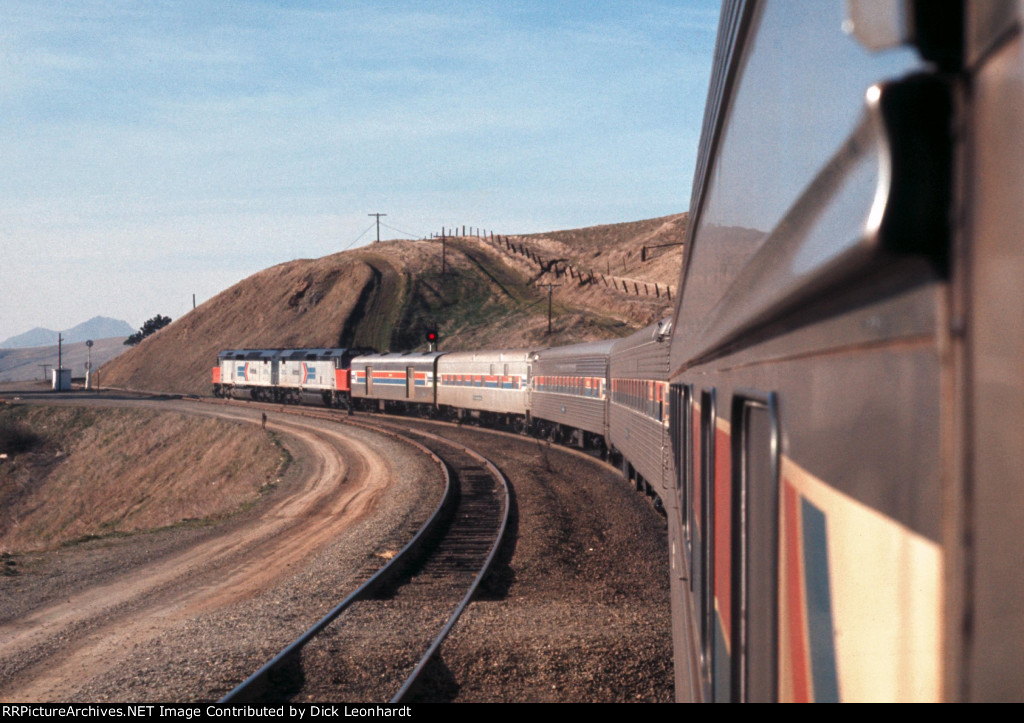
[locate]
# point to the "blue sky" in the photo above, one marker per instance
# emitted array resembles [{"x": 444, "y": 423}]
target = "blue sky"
[{"x": 152, "y": 150}]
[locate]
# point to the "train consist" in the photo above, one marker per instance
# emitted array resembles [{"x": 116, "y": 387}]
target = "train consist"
[
  {"x": 565, "y": 394},
  {"x": 831, "y": 418}
]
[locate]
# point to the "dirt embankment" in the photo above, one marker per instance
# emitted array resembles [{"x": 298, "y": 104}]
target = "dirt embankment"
[
  {"x": 77, "y": 472},
  {"x": 387, "y": 295}
]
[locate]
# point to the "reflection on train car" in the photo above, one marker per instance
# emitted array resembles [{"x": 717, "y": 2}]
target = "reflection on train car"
[{"x": 820, "y": 433}]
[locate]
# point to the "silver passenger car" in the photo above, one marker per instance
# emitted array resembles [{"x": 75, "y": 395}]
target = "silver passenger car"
[
  {"x": 846, "y": 382},
  {"x": 409, "y": 378},
  {"x": 638, "y": 414},
  {"x": 570, "y": 386},
  {"x": 495, "y": 382}
]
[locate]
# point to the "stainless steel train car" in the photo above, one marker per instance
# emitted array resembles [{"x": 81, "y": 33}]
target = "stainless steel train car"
[
  {"x": 570, "y": 392},
  {"x": 638, "y": 418},
  {"x": 493, "y": 385},
  {"x": 396, "y": 380},
  {"x": 846, "y": 385}
]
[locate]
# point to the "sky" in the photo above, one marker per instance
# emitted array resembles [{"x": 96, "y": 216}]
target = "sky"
[{"x": 154, "y": 150}]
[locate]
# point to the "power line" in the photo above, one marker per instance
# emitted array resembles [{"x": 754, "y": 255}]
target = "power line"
[
  {"x": 413, "y": 235},
  {"x": 353, "y": 242}
]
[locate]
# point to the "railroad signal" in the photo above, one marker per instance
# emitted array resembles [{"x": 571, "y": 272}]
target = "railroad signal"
[{"x": 432, "y": 337}]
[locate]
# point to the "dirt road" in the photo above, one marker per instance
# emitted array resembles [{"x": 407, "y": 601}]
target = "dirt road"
[{"x": 79, "y": 638}]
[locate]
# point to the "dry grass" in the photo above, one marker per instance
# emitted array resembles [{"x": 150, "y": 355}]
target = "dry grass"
[
  {"x": 616, "y": 248},
  {"x": 114, "y": 471}
]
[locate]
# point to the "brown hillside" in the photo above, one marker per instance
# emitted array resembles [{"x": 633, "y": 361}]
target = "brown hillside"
[
  {"x": 617, "y": 248},
  {"x": 385, "y": 296},
  {"x": 89, "y": 472}
]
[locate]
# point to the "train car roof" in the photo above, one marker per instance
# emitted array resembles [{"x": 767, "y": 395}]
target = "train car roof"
[
  {"x": 249, "y": 354},
  {"x": 286, "y": 354},
  {"x": 399, "y": 356},
  {"x": 297, "y": 354},
  {"x": 659, "y": 331},
  {"x": 490, "y": 355},
  {"x": 589, "y": 348}
]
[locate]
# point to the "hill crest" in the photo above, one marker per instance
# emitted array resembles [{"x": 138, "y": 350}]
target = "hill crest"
[{"x": 477, "y": 291}]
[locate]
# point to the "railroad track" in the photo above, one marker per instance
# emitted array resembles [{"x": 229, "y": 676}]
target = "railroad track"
[{"x": 378, "y": 643}]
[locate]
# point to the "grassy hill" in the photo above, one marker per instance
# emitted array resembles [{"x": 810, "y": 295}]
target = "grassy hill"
[
  {"x": 75, "y": 472},
  {"x": 490, "y": 293}
]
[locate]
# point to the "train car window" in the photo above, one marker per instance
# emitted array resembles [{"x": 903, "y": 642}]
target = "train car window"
[
  {"x": 678, "y": 441},
  {"x": 686, "y": 459},
  {"x": 705, "y": 547},
  {"x": 775, "y": 134},
  {"x": 718, "y": 552},
  {"x": 755, "y": 465},
  {"x": 694, "y": 490}
]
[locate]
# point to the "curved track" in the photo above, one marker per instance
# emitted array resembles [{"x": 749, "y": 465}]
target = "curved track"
[{"x": 422, "y": 591}]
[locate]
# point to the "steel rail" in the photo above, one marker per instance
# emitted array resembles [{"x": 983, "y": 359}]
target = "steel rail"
[
  {"x": 410, "y": 682},
  {"x": 252, "y": 686},
  {"x": 256, "y": 683}
]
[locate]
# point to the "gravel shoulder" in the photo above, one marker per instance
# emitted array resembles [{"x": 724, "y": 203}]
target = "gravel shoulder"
[{"x": 578, "y": 608}]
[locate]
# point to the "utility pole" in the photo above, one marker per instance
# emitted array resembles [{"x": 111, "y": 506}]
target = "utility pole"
[
  {"x": 88, "y": 365},
  {"x": 444, "y": 253},
  {"x": 378, "y": 215}
]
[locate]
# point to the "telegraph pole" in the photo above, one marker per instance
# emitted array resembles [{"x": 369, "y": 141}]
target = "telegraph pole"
[{"x": 378, "y": 215}]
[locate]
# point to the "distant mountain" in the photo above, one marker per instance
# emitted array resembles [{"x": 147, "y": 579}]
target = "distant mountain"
[
  {"x": 33, "y": 337},
  {"x": 26, "y": 364},
  {"x": 98, "y": 327}
]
